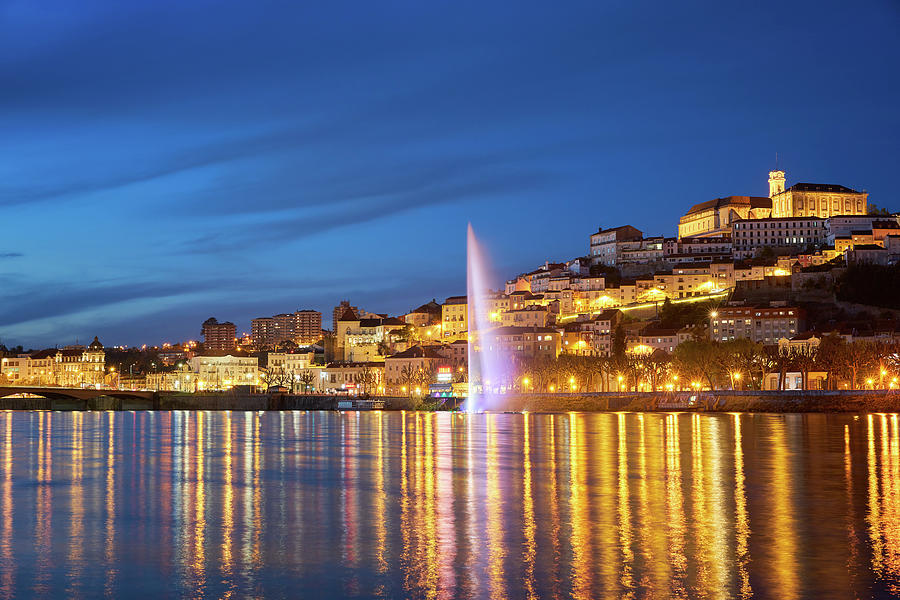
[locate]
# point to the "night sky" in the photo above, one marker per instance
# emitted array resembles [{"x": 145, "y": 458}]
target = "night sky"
[{"x": 163, "y": 162}]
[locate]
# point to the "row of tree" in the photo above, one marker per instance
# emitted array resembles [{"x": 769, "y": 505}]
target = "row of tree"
[{"x": 735, "y": 364}]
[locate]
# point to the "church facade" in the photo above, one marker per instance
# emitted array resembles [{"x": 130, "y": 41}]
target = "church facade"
[{"x": 713, "y": 218}]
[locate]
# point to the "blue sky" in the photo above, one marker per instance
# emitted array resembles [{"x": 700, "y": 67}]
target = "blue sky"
[{"x": 163, "y": 162}]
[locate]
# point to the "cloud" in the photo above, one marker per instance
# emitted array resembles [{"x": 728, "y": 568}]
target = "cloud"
[
  {"x": 280, "y": 227},
  {"x": 11, "y": 255}
]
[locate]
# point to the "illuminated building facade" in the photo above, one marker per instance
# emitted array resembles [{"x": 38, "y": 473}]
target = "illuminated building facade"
[
  {"x": 713, "y": 218},
  {"x": 224, "y": 370},
  {"x": 77, "y": 366},
  {"x": 814, "y": 199}
]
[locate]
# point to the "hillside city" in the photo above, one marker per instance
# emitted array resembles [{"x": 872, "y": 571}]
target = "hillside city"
[{"x": 799, "y": 289}]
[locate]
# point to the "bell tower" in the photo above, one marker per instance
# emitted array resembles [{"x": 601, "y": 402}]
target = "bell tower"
[{"x": 776, "y": 183}]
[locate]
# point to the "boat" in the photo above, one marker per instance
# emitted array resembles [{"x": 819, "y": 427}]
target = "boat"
[{"x": 360, "y": 404}]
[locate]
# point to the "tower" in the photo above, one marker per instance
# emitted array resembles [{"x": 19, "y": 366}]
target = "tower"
[{"x": 776, "y": 183}]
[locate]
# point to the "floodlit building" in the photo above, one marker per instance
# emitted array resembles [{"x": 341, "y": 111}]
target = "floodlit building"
[
  {"x": 814, "y": 199},
  {"x": 224, "y": 370},
  {"x": 455, "y": 317},
  {"x": 713, "y": 218},
  {"x": 77, "y": 366}
]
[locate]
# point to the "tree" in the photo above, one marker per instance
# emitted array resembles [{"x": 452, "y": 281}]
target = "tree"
[
  {"x": 699, "y": 359},
  {"x": 654, "y": 367},
  {"x": 858, "y": 358},
  {"x": 746, "y": 357},
  {"x": 408, "y": 376},
  {"x": 804, "y": 359},
  {"x": 365, "y": 379},
  {"x": 306, "y": 377}
]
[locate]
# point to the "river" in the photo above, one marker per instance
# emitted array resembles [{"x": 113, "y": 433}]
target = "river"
[{"x": 441, "y": 505}]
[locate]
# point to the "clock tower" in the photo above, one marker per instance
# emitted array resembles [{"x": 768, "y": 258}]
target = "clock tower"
[{"x": 776, "y": 183}]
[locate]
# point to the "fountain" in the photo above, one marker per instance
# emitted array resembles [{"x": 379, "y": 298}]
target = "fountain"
[{"x": 487, "y": 363}]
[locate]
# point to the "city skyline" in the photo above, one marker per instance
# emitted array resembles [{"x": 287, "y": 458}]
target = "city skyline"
[{"x": 301, "y": 157}]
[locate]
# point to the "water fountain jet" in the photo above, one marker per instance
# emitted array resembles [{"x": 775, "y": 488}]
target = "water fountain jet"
[{"x": 488, "y": 364}]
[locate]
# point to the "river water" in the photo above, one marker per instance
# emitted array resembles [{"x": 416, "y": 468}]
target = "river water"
[{"x": 440, "y": 505}]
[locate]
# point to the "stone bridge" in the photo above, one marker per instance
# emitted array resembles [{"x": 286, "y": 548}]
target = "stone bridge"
[{"x": 58, "y": 398}]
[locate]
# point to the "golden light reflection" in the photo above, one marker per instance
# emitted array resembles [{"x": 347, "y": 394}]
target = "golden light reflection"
[
  {"x": 496, "y": 551},
  {"x": 44, "y": 508},
  {"x": 884, "y": 500},
  {"x": 380, "y": 499},
  {"x": 198, "y": 563},
  {"x": 529, "y": 552},
  {"x": 446, "y": 524},
  {"x": 227, "y": 504},
  {"x": 7, "y": 579},
  {"x": 784, "y": 534},
  {"x": 675, "y": 509},
  {"x": 553, "y": 498},
  {"x": 76, "y": 506},
  {"x": 624, "y": 511},
  {"x": 742, "y": 524},
  {"x": 109, "y": 555},
  {"x": 580, "y": 517},
  {"x": 426, "y": 494}
]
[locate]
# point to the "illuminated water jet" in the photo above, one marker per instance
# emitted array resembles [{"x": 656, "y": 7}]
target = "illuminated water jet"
[{"x": 488, "y": 364}]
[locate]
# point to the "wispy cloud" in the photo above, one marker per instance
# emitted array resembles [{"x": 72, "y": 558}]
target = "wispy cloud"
[{"x": 11, "y": 255}]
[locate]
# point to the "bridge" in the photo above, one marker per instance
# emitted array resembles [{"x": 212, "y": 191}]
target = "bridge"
[{"x": 59, "y": 398}]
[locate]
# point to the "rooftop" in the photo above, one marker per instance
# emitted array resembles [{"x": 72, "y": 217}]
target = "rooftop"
[{"x": 821, "y": 187}]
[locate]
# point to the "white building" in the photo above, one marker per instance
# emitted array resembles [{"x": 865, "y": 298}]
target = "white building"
[{"x": 221, "y": 371}]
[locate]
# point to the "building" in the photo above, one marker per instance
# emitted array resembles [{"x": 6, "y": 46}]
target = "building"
[
  {"x": 790, "y": 234},
  {"x": 182, "y": 379},
  {"x": 415, "y": 367},
  {"x": 591, "y": 336},
  {"x": 341, "y": 309},
  {"x": 307, "y": 326},
  {"x": 224, "y": 370},
  {"x": 763, "y": 325},
  {"x": 300, "y": 327},
  {"x": 530, "y": 316},
  {"x": 218, "y": 337},
  {"x": 367, "y": 339},
  {"x": 427, "y": 315},
  {"x": 843, "y": 225},
  {"x": 352, "y": 378},
  {"x": 793, "y": 380},
  {"x": 289, "y": 362},
  {"x": 658, "y": 338},
  {"x": 77, "y": 366},
  {"x": 713, "y": 218},
  {"x": 455, "y": 317},
  {"x": 523, "y": 342},
  {"x": 608, "y": 244},
  {"x": 814, "y": 199},
  {"x": 870, "y": 254},
  {"x": 690, "y": 249}
]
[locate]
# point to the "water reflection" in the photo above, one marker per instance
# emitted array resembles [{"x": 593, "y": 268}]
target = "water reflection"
[{"x": 423, "y": 505}]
